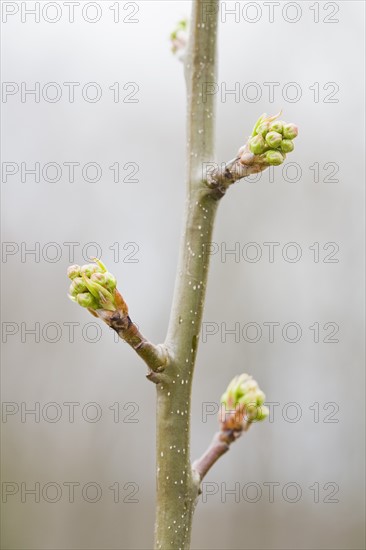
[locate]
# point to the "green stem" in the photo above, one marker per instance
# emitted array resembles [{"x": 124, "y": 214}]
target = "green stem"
[
  {"x": 177, "y": 488},
  {"x": 177, "y": 491}
]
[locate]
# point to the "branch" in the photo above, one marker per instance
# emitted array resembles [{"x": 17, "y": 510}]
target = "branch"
[
  {"x": 94, "y": 288},
  {"x": 220, "y": 178},
  {"x": 241, "y": 405},
  {"x": 177, "y": 491},
  {"x": 268, "y": 145},
  {"x": 218, "y": 447},
  {"x": 154, "y": 356},
  {"x": 201, "y": 204}
]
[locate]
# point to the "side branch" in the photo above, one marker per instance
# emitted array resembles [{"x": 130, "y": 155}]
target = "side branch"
[
  {"x": 241, "y": 405},
  {"x": 154, "y": 356},
  {"x": 268, "y": 145},
  {"x": 220, "y": 178},
  {"x": 95, "y": 288},
  {"x": 219, "y": 446}
]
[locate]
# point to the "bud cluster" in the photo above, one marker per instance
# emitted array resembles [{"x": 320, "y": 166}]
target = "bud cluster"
[
  {"x": 270, "y": 141},
  {"x": 242, "y": 404},
  {"x": 179, "y": 38},
  {"x": 93, "y": 286}
]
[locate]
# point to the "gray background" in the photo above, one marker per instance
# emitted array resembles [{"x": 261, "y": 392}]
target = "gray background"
[{"x": 148, "y": 213}]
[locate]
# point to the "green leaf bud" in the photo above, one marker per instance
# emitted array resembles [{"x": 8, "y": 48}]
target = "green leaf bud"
[
  {"x": 262, "y": 413},
  {"x": 105, "y": 279},
  {"x": 264, "y": 119},
  {"x": 258, "y": 123},
  {"x": 256, "y": 413},
  {"x": 111, "y": 281},
  {"x": 287, "y": 145},
  {"x": 179, "y": 37},
  {"x": 260, "y": 397},
  {"x": 276, "y": 126},
  {"x": 274, "y": 139},
  {"x": 257, "y": 145},
  {"x": 73, "y": 271},
  {"x": 290, "y": 131},
  {"x": 263, "y": 129},
  {"x": 274, "y": 158},
  {"x": 247, "y": 399},
  {"x": 249, "y": 386},
  {"x": 252, "y": 411},
  {"x": 98, "y": 283},
  {"x": 89, "y": 269},
  {"x": 77, "y": 286},
  {"x": 96, "y": 289},
  {"x": 85, "y": 299},
  {"x": 243, "y": 404},
  {"x": 103, "y": 295}
]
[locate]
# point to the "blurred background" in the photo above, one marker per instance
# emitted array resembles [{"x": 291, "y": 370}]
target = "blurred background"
[{"x": 109, "y": 137}]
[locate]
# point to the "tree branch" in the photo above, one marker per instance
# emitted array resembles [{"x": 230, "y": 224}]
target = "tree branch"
[
  {"x": 241, "y": 405},
  {"x": 244, "y": 165},
  {"x": 218, "y": 447},
  {"x": 155, "y": 357},
  {"x": 201, "y": 201},
  {"x": 177, "y": 489},
  {"x": 231, "y": 172},
  {"x": 94, "y": 288}
]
